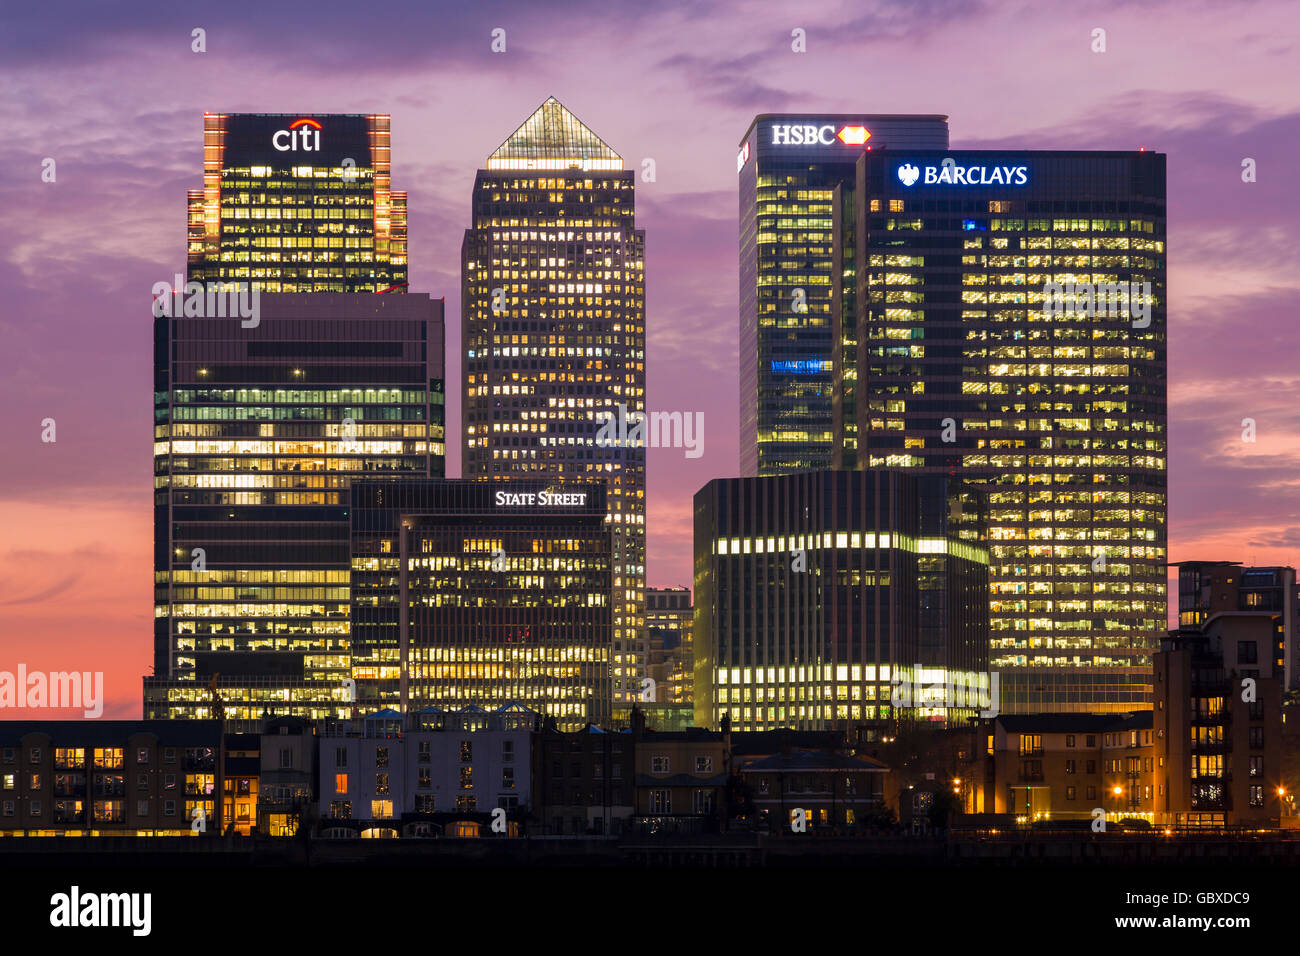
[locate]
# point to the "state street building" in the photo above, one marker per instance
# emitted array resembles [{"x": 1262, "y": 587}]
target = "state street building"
[
  {"x": 482, "y": 594},
  {"x": 553, "y": 326}
]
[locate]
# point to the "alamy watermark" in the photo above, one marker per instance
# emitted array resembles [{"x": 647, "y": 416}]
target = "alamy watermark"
[
  {"x": 623, "y": 429},
  {"x": 1105, "y": 299},
  {"x": 75, "y": 909},
  {"x": 947, "y": 694},
  {"x": 56, "y": 689},
  {"x": 215, "y": 300}
]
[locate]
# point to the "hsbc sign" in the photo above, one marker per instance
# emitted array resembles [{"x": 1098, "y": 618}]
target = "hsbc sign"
[{"x": 813, "y": 134}]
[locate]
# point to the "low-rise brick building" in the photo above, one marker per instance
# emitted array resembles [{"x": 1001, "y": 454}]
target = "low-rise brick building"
[
  {"x": 584, "y": 781},
  {"x": 1218, "y": 698},
  {"x": 831, "y": 789},
  {"x": 110, "y": 777},
  {"x": 1060, "y": 767},
  {"x": 681, "y": 779}
]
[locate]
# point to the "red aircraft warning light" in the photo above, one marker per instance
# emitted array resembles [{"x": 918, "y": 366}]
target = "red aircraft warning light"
[{"x": 853, "y": 135}]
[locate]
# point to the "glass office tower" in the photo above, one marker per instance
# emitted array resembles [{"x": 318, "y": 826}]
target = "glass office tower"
[
  {"x": 258, "y": 433},
  {"x": 797, "y": 173},
  {"x": 1059, "y": 411},
  {"x": 670, "y": 623},
  {"x": 261, "y": 421},
  {"x": 553, "y": 310},
  {"x": 485, "y": 594},
  {"x": 840, "y": 600},
  {"x": 298, "y": 203}
]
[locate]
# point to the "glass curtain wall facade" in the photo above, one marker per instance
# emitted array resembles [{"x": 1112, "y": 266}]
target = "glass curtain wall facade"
[
  {"x": 298, "y": 203},
  {"x": 262, "y": 420},
  {"x": 669, "y": 617},
  {"x": 796, "y": 172},
  {"x": 474, "y": 598},
  {"x": 1059, "y": 413},
  {"x": 553, "y": 300},
  {"x": 258, "y": 433},
  {"x": 839, "y": 600}
]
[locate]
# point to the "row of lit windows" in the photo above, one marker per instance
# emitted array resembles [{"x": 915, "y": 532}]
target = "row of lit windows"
[
  {"x": 251, "y": 447},
  {"x": 300, "y": 397},
  {"x": 853, "y": 539},
  {"x": 569, "y": 653},
  {"x": 330, "y": 177},
  {"x": 241, "y": 576},
  {"x": 245, "y": 609}
]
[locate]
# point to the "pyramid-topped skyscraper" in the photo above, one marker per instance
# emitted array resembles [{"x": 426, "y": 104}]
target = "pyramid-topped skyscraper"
[
  {"x": 553, "y": 138},
  {"x": 553, "y": 299}
]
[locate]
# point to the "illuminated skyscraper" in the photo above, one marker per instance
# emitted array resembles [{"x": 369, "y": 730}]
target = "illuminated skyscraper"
[
  {"x": 797, "y": 176},
  {"x": 258, "y": 433},
  {"x": 261, "y": 421},
  {"x": 298, "y": 203},
  {"x": 553, "y": 300},
  {"x": 840, "y": 600},
  {"x": 1059, "y": 411},
  {"x": 670, "y": 622},
  {"x": 484, "y": 594}
]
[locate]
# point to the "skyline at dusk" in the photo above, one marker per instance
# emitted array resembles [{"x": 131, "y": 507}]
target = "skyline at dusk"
[{"x": 676, "y": 86}]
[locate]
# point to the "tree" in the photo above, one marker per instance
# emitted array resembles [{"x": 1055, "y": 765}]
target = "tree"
[{"x": 943, "y": 807}]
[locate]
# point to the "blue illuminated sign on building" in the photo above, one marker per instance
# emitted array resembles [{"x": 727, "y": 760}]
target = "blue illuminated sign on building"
[{"x": 802, "y": 366}]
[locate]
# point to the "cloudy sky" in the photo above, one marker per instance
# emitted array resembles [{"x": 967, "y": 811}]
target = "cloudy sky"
[{"x": 114, "y": 94}]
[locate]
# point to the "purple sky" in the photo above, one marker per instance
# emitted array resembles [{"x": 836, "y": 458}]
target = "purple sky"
[{"x": 113, "y": 93}]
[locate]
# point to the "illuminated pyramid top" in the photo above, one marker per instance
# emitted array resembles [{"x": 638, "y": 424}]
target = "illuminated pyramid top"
[{"x": 553, "y": 138}]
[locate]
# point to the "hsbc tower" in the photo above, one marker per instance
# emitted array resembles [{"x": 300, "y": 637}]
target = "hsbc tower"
[
  {"x": 797, "y": 178},
  {"x": 905, "y": 314}
]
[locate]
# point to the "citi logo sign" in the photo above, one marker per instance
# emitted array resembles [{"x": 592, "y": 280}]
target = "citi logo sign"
[
  {"x": 812, "y": 135},
  {"x": 303, "y": 134},
  {"x": 953, "y": 174}
]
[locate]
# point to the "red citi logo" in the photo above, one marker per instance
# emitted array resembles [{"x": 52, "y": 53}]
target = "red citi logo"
[{"x": 302, "y": 134}]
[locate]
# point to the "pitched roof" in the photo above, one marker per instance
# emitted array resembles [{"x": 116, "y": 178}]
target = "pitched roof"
[
  {"x": 808, "y": 761},
  {"x": 108, "y": 733},
  {"x": 1075, "y": 723},
  {"x": 553, "y": 138},
  {"x": 770, "y": 741}
]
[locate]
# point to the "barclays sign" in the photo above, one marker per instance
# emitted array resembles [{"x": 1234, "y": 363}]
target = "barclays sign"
[{"x": 949, "y": 173}]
